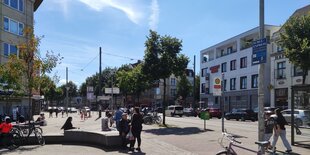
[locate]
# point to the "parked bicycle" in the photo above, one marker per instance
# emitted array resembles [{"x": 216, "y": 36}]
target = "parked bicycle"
[
  {"x": 25, "y": 131},
  {"x": 228, "y": 150},
  {"x": 152, "y": 119},
  {"x": 11, "y": 141}
]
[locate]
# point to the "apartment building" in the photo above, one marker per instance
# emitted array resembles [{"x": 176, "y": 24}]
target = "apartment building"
[
  {"x": 231, "y": 60},
  {"x": 283, "y": 74},
  {"x": 15, "y": 16}
]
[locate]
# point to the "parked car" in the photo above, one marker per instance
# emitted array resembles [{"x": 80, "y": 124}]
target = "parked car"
[
  {"x": 189, "y": 112},
  {"x": 72, "y": 110},
  {"x": 159, "y": 110},
  {"x": 301, "y": 117},
  {"x": 215, "y": 112},
  {"x": 242, "y": 114},
  {"x": 86, "y": 108},
  {"x": 174, "y": 110}
]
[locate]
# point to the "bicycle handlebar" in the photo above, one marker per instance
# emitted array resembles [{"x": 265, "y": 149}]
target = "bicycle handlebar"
[{"x": 230, "y": 137}]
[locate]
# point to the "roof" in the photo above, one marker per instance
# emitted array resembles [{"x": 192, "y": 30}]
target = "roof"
[
  {"x": 299, "y": 12},
  {"x": 36, "y": 4}
]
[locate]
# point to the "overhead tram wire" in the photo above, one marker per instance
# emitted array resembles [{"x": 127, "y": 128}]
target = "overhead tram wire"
[{"x": 90, "y": 62}]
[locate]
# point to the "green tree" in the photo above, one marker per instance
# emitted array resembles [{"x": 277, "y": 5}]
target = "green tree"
[
  {"x": 72, "y": 91},
  {"x": 184, "y": 88},
  {"x": 296, "y": 42},
  {"x": 162, "y": 58},
  {"x": 29, "y": 66}
]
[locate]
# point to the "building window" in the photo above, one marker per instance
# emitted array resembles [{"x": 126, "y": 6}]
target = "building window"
[
  {"x": 233, "y": 65},
  {"x": 297, "y": 71},
  {"x": 15, "y": 4},
  {"x": 281, "y": 70},
  {"x": 243, "y": 80},
  {"x": 204, "y": 72},
  {"x": 224, "y": 67},
  {"x": 203, "y": 88},
  {"x": 9, "y": 49},
  {"x": 205, "y": 58},
  {"x": 225, "y": 83},
  {"x": 233, "y": 84},
  {"x": 229, "y": 50},
  {"x": 243, "y": 62},
  {"x": 279, "y": 48},
  {"x": 223, "y": 52},
  {"x": 172, "y": 82},
  {"x": 13, "y": 26},
  {"x": 173, "y": 92},
  {"x": 254, "y": 81}
]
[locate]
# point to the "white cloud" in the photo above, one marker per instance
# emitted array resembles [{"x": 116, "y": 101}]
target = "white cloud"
[
  {"x": 154, "y": 17},
  {"x": 62, "y": 4},
  {"x": 134, "y": 14}
]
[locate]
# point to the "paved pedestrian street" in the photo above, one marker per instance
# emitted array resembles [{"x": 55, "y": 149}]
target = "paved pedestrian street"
[{"x": 184, "y": 136}]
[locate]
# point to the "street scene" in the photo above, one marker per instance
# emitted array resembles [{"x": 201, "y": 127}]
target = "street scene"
[{"x": 154, "y": 77}]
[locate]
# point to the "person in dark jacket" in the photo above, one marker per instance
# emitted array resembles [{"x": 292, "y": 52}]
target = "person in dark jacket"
[
  {"x": 124, "y": 129},
  {"x": 136, "y": 128},
  {"x": 280, "y": 131},
  {"x": 68, "y": 124}
]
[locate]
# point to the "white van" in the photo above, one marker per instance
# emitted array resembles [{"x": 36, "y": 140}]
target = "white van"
[{"x": 174, "y": 110}]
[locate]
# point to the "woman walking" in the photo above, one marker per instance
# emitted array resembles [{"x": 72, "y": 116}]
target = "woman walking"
[
  {"x": 136, "y": 128},
  {"x": 280, "y": 131}
]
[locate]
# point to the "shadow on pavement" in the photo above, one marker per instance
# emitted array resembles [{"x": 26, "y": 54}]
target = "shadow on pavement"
[
  {"x": 176, "y": 131},
  {"x": 20, "y": 149},
  {"x": 303, "y": 144},
  {"x": 129, "y": 152}
]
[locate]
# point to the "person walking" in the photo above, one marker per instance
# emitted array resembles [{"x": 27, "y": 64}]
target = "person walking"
[
  {"x": 136, "y": 128},
  {"x": 280, "y": 131}
]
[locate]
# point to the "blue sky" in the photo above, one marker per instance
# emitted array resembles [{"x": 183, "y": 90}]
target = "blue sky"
[{"x": 77, "y": 28}]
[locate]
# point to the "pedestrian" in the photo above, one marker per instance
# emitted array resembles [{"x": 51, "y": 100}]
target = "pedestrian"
[
  {"x": 99, "y": 110},
  {"x": 56, "y": 111},
  {"x": 269, "y": 128},
  {"x": 62, "y": 113},
  {"x": 50, "y": 110},
  {"x": 136, "y": 128},
  {"x": 123, "y": 130},
  {"x": 280, "y": 131},
  {"x": 68, "y": 124},
  {"x": 118, "y": 117}
]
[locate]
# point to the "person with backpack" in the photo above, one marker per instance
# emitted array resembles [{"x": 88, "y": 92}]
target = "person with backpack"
[{"x": 280, "y": 131}]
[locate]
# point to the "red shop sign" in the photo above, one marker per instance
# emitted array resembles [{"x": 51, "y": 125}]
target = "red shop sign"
[{"x": 214, "y": 69}]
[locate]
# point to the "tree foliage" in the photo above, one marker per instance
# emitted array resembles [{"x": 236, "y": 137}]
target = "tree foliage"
[
  {"x": 162, "y": 58},
  {"x": 184, "y": 88},
  {"x": 296, "y": 42}
]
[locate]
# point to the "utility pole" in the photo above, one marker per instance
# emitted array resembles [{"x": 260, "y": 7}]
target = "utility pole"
[
  {"x": 261, "y": 77},
  {"x": 99, "y": 85},
  {"x": 194, "y": 85},
  {"x": 67, "y": 92}
]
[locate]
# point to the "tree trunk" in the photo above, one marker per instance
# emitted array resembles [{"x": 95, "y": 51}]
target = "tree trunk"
[
  {"x": 304, "y": 75},
  {"x": 164, "y": 103}
]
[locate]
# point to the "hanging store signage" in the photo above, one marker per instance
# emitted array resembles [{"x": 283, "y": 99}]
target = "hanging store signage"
[
  {"x": 214, "y": 69},
  {"x": 217, "y": 87}
]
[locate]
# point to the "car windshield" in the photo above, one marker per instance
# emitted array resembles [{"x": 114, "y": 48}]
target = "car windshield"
[
  {"x": 307, "y": 113},
  {"x": 178, "y": 108}
]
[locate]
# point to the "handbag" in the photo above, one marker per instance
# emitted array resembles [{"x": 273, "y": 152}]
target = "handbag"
[{"x": 130, "y": 135}]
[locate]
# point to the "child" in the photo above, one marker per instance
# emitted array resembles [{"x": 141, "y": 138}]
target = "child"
[{"x": 5, "y": 129}]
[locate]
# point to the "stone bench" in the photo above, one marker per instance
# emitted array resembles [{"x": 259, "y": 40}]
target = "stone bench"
[{"x": 101, "y": 138}]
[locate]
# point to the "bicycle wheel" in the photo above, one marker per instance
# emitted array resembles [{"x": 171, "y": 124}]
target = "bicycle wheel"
[
  {"x": 147, "y": 120},
  {"x": 15, "y": 141},
  {"x": 40, "y": 138},
  {"x": 38, "y": 129},
  {"x": 158, "y": 120}
]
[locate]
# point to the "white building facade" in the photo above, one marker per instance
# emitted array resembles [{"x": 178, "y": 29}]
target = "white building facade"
[{"x": 231, "y": 60}]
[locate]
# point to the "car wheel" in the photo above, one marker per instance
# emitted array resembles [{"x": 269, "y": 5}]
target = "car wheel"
[
  {"x": 227, "y": 118},
  {"x": 237, "y": 119},
  {"x": 172, "y": 115},
  {"x": 219, "y": 117},
  {"x": 242, "y": 119},
  {"x": 298, "y": 122},
  {"x": 180, "y": 115}
]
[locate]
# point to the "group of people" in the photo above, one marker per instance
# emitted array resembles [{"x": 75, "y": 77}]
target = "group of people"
[
  {"x": 56, "y": 110},
  {"x": 129, "y": 130},
  {"x": 276, "y": 127}
]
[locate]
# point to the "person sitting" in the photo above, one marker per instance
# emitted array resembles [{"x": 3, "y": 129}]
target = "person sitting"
[
  {"x": 5, "y": 128},
  {"x": 68, "y": 124},
  {"x": 41, "y": 120},
  {"x": 105, "y": 122},
  {"x": 124, "y": 129}
]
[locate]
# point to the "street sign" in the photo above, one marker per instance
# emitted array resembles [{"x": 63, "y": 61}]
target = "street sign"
[
  {"x": 109, "y": 90},
  {"x": 205, "y": 115},
  {"x": 104, "y": 98},
  {"x": 259, "y": 48},
  {"x": 217, "y": 88}
]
